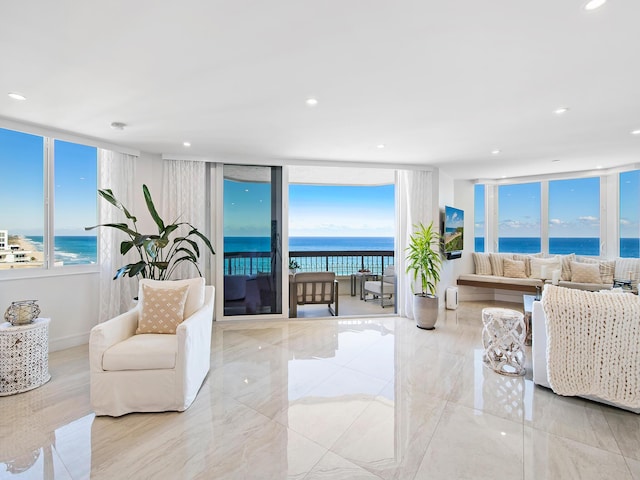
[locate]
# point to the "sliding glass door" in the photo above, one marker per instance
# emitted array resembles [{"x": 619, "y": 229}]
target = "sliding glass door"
[{"x": 252, "y": 226}]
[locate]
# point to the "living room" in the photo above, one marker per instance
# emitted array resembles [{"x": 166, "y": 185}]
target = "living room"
[{"x": 447, "y": 98}]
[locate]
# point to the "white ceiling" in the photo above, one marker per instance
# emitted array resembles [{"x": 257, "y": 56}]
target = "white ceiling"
[{"x": 439, "y": 83}]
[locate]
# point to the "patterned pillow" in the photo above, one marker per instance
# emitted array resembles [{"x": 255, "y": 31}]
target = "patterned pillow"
[
  {"x": 482, "y": 263},
  {"x": 585, "y": 272},
  {"x": 496, "y": 260},
  {"x": 527, "y": 261},
  {"x": 514, "y": 268},
  {"x": 566, "y": 266},
  {"x": 162, "y": 309},
  {"x": 607, "y": 268}
]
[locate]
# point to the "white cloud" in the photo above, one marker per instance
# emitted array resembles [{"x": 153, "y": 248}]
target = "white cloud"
[
  {"x": 588, "y": 218},
  {"x": 624, "y": 221},
  {"x": 555, "y": 221}
]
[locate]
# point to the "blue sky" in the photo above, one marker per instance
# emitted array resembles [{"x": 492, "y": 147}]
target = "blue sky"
[
  {"x": 574, "y": 208},
  {"x": 345, "y": 211},
  {"x": 21, "y": 185},
  {"x": 314, "y": 210}
]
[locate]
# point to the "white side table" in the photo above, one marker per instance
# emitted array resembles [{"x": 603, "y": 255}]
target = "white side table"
[
  {"x": 503, "y": 337},
  {"x": 24, "y": 356}
]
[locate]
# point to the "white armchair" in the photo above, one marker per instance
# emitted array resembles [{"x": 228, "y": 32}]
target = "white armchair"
[
  {"x": 152, "y": 372},
  {"x": 383, "y": 288}
]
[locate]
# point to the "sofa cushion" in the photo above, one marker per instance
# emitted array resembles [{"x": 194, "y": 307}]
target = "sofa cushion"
[
  {"x": 142, "y": 352},
  {"x": 472, "y": 277},
  {"x": 548, "y": 264},
  {"x": 606, "y": 267},
  {"x": 566, "y": 266},
  {"x": 585, "y": 272},
  {"x": 625, "y": 267},
  {"x": 195, "y": 294},
  {"x": 482, "y": 263},
  {"x": 514, "y": 268},
  {"x": 162, "y": 309},
  {"x": 497, "y": 259}
]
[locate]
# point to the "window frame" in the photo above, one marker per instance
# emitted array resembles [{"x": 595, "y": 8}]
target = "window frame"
[
  {"x": 49, "y": 136},
  {"x": 609, "y": 207}
]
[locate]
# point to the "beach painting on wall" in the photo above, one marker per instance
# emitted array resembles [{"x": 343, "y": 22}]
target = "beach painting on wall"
[{"x": 453, "y": 232}]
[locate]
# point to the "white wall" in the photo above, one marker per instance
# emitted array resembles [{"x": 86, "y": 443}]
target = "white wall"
[
  {"x": 70, "y": 300},
  {"x": 445, "y": 197}
]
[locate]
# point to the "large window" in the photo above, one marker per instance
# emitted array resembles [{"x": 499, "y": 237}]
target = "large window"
[
  {"x": 519, "y": 218},
  {"x": 478, "y": 219},
  {"x": 574, "y": 216},
  {"x": 630, "y": 214},
  {"x": 25, "y": 216}
]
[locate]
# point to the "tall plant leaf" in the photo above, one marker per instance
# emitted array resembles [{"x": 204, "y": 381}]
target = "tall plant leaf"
[{"x": 152, "y": 209}]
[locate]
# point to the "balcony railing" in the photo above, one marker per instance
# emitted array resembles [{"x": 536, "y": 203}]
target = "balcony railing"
[{"x": 343, "y": 263}]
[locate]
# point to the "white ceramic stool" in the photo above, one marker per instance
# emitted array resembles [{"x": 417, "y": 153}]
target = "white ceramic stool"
[{"x": 503, "y": 337}]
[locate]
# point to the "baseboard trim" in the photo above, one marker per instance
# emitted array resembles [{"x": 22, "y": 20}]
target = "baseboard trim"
[{"x": 62, "y": 343}]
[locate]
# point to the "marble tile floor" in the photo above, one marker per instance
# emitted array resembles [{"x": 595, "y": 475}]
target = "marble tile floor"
[{"x": 366, "y": 398}]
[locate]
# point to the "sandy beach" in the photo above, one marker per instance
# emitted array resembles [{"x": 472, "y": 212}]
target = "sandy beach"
[{"x": 36, "y": 256}]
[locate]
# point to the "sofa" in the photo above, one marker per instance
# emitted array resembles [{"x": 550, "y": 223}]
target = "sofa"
[
  {"x": 585, "y": 344},
  {"x": 528, "y": 273}
]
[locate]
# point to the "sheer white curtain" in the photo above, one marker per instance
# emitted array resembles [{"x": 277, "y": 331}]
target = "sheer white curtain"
[
  {"x": 415, "y": 205},
  {"x": 184, "y": 200},
  {"x": 116, "y": 172}
]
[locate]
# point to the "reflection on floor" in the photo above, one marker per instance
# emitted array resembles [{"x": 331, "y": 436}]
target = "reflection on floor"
[
  {"x": 326, "y": 399},
  {"x": 349, "y": 306}
]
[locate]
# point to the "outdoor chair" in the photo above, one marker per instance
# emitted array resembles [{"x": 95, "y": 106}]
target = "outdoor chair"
[
  {"x": 313, "y": 288},
  {"x": 382, "y": 288}
]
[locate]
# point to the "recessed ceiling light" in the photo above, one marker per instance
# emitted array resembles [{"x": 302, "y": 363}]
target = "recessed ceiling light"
[
  {"x": 380, "y": 146},
  {"x": 593, "y": 4},
  {"x": 635, "y": 132},
  {"x": 186, "y": 144},
  {"x": 503, "y": 176},
  {"x": 118, "y": 125},
  {"x": 561, "y": 110},
  {"x": 16, "y": 96},
  {"x": 495, "y": 152},
  {"x": 312, "y": 102},
  {"x": 598, "y": 167},
  {"x": 555, "y": 160}
]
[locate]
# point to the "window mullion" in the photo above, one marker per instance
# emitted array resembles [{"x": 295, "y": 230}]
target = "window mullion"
[{"x": 49, "y": 181}]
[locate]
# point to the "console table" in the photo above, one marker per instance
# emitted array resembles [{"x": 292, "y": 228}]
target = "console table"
[{"x": 24, "y": 356}]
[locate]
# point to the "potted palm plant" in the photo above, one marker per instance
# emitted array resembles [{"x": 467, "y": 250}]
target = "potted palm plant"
[
  {"x": 424, "y": 263},
  {"x": 159, "y": 253}
]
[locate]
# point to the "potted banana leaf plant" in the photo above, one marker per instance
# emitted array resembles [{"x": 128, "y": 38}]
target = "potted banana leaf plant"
[
  {"x": 424, "y": 262},
  {"x": 159, "y": 253}
]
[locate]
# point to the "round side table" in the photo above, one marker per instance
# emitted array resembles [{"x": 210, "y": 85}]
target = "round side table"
[
  {"x": 503, "y": 337},
  {"x": 24, "y": 356}
]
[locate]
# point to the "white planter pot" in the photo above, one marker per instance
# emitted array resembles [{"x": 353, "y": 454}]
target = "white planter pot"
[{"x": 425, "y": 311}]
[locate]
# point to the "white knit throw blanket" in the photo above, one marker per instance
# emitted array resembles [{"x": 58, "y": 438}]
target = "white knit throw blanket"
[{"x": 593, "y": 344}]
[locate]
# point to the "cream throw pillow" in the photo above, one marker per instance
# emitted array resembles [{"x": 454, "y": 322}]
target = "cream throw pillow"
[
  {"x": 482, "y": 263},
  {"x": 607, "y": 268},
  {"x": 195, "y": 294},
  {"x": 549, "y": 265},
  {"x": 585, "y": 272},
  {"x": 566, "y": 266},
  {"x": 497, "y": 265},
  {"x": 514, "y": 268},
  {"x": 162, "y": 309}
]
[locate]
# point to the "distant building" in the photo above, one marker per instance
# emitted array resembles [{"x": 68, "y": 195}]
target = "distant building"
[{"x": 4, "y": 239}]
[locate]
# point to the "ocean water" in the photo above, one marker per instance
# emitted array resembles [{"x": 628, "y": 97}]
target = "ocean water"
[
  {"x": 629, "y": 247},
  {"x": 71, "y": 250},
  {"x": 308, "y": 244}
]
